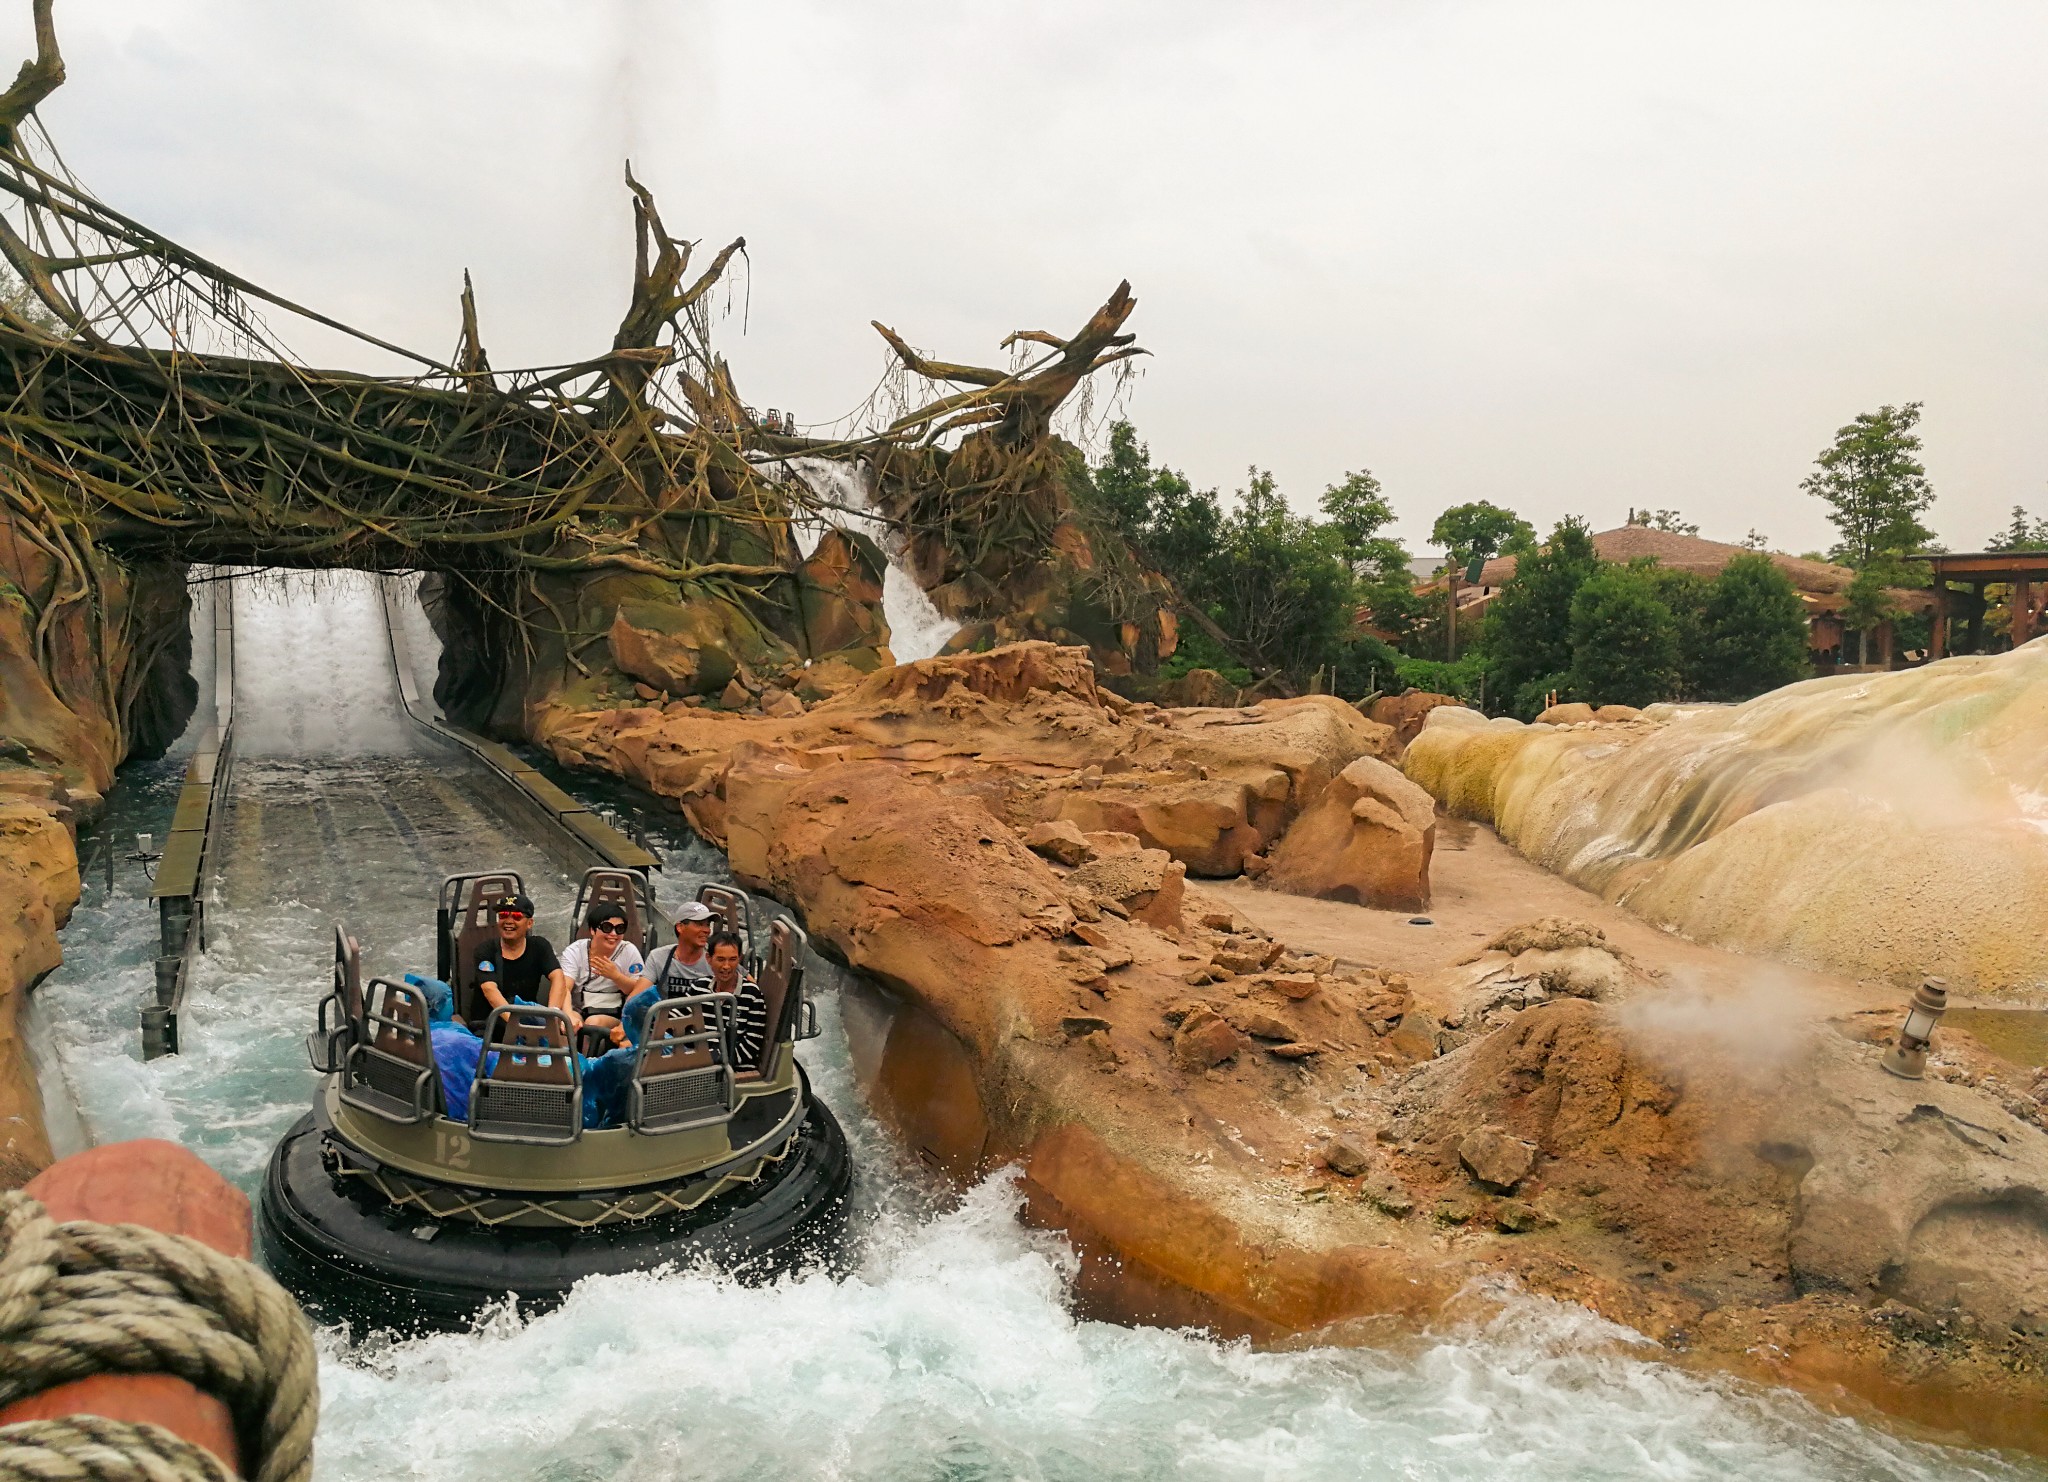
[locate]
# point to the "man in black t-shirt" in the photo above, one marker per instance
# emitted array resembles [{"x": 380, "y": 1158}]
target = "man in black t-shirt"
[{"x": 519, "y": 966}]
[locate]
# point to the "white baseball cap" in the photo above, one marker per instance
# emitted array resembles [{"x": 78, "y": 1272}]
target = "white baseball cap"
[{"x": 692, "y": 911}]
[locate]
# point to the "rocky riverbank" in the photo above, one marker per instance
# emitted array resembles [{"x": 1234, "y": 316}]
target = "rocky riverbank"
[{"x": 1270, "y": 1141}]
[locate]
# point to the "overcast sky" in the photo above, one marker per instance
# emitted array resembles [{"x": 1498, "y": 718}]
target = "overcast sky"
[{"x": 1566, "y": 257}]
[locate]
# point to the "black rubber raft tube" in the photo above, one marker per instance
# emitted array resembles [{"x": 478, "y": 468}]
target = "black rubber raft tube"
[{"x": 350, "y": 1259}]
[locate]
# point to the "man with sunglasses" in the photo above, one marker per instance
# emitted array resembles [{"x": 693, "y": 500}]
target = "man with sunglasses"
[
  {"x": 603, "y": 968},
  {"x": 519, "y": 966}
]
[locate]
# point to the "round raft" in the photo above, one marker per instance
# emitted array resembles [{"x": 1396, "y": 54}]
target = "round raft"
[{"x": 382, "y": 1211}]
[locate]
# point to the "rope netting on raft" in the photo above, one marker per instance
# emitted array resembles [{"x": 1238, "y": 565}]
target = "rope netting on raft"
[{"x": 82, "y": 1299}]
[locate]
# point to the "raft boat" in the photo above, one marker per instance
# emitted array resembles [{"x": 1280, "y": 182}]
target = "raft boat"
[{"x": 381, "y": 1211}]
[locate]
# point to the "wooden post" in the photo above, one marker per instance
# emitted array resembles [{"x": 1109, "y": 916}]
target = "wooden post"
[
  {"x": 166, "y": 1187},
  {"x": 1937, "y": 629},
  {"x": 1884, "y": 644},
  {"x": 1451, "y": 617},
  {"x": 1976, "y": 617},
  {"x": 2022, "y": 604}
]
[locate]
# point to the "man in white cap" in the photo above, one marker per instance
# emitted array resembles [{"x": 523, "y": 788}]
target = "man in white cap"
[{"x": 685, "y": 967}]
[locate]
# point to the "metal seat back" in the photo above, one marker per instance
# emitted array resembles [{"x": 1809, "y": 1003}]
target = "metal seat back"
[
  {"x": 529, "y": 1081},
  {"x": 733, "y": 910},
  {"x": 629, "y": 890},
  {"x": 467, "y": 915},
  {"x": 681, "y": 1078},
  {"x": 340, "y": 1025},
  {"x": 389, "y": 1071},
  {"x": 791, "y": 1014}
]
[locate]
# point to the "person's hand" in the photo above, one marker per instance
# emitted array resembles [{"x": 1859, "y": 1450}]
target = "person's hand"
[
  {"x": 575, "y": 1021},
  {"x": 617, "y": 1035}
]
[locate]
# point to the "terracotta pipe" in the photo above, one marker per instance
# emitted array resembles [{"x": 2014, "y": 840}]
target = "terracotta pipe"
[{"x": 164, "y": 1186}]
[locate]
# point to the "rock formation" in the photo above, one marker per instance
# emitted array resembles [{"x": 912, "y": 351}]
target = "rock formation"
[
  {"x": 1879, "y": 825},
  {"x": 1264, "y": 1141},
  {"x": 1366, "y": 839}
]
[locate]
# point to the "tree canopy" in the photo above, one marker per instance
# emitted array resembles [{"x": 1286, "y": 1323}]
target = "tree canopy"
[
  {"x": 1874, "y": 485},
  {"x": 1481, "y": 530},
  {"x": 1624, "y": 640},
  {"x": 1528, "y": 633}
]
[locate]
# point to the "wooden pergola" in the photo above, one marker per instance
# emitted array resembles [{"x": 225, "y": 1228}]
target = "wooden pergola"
[{"x": 2019, "y": 570}]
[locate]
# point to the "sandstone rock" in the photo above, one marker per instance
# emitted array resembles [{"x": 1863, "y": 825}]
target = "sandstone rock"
[
  {"x": 1299, "y": 1050},
  {"x": 1347, "y": 1156},
  {"x": 1366, "y": 840},
  {"x": 1146, "y": 886},
  {"x": 735, "y": 696},
  {"x": 780, "y": 704},
  {"x": 1199, "y": 687},
  {"x": 1094, "y": 934},
  {"x": 1076, "y": 1025},
  {"x": 1547, "y": 934},
  {"x": 1204, "y": 1040},
  {"x": 1060, "y": 841},
  {"x": 1205, "y": 823},
  {"x": 1405, "y": 714},
  {"x": 1261, "y": 1025},
  {"x": 1100, "y": 1050},
  {"x": 1518, "y": 1217},
  {"x": 836, "y": 673},
  {"x": 1568, "y": 713},
  {"x": 840, "y": 593},
  {"x": 1255, "y": 865},
  {"x": 1386, "y": 1193},
  {"x": 684, "y": 649},
  {"x": 646, "y": 691},
  {"x": 1497, "y": 1160},
  {"x": 1112, "y": 841},
  {"x": 1291, "y": 985},
  {"x": 1614, "y": 714},
  {"x": 1579, "y": 972}
]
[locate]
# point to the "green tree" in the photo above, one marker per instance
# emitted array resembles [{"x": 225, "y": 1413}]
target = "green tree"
[
  {"x": 1528, "y": 633},
  {"x": 1867, "y": 604},
  {"x": 1874, "y": 485},
  {"x": 1123, "y": 482},
  {"x": 1281, "y": 582},
  {"x": 1483, "y": 530},
  {"x": 1753, "y": 631},
  {"x": 1624, "y": 639},
  {"x": 1358, "y": 510},
  {"x": 1684, "y": 595},
  {"x": 2023, "y": 534}
]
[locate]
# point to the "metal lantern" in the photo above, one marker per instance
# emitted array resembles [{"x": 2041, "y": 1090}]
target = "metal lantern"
[{"x": 1907, "y": 1057}]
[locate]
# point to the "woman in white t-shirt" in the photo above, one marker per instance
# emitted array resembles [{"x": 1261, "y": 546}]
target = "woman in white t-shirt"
[{"x": 603, "y": 969}]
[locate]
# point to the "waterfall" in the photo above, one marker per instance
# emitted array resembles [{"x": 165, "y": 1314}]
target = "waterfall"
[{"x": 917, "y": 629}]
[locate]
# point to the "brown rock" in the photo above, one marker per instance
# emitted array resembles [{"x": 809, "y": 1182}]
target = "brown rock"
[
  {"x": 1614, "y": 714},
  {"x": 1094, "y": 934},
  {"x": 1076, "y": 1025},
  {"x": 1299, "y": 1050},
  {"x": 1519, "y": 1216},
  {"x": 1366, "y": 840},
  {"x": 735, "y": 696},
  {"x": 1347, "y": 1156},
  {"x": 1261, "y": 1025},
  {"x": 646, "y": 691},
  {"x": 1496, "y": 1158},
  {"x": 1205, "y": 1040},
  {"x": 1255, "y": 865},
  {"x": 1405, "y": 714},
  {"x": 1111, "y": 841},
  {"x": 1386, "y": 1193},
  {"x": 780, "y": 704},
  {"x": 1290, "y": 985},
  {"x": 1570, "y": 713},
  {"x": 1146, "y": 886},
  {"x": 1060, "y": 841}
]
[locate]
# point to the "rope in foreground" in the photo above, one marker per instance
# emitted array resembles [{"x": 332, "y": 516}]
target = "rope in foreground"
[{"x": 82, "y": 1299}]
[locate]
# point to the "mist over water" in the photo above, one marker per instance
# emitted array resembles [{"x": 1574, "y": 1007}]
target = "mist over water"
[{"x": 948, "y": 1350}]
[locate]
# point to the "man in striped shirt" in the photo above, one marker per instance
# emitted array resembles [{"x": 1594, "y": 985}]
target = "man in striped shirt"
[{"x": 750, "y": 1009}]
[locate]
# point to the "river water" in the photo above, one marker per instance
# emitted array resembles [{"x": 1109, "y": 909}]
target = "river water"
[{"x": 948, "y": 1352}]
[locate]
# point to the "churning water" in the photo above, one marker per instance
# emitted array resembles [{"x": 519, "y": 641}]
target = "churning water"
[{"x": 948, "y": 1351}]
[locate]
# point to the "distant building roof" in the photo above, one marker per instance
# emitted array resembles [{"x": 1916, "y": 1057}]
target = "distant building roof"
[{"x": 1678, "y": 552}]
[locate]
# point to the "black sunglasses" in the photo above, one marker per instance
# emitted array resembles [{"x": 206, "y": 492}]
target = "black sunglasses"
[{"x": 618, "y": 926}]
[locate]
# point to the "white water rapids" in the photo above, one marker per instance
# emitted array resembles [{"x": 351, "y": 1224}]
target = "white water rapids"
[{"x": 949, "y": 1351}]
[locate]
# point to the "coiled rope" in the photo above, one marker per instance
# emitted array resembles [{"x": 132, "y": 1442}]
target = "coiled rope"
[{"x": 82, "y": 1299}]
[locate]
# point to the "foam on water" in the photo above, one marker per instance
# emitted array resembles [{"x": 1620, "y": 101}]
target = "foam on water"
[
  {"x": 917, "y": 629},
  {"x": 949, "y": 1350}
]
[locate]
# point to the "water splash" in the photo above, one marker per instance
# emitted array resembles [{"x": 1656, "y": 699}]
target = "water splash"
[{"x": 917, "y": 629}]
